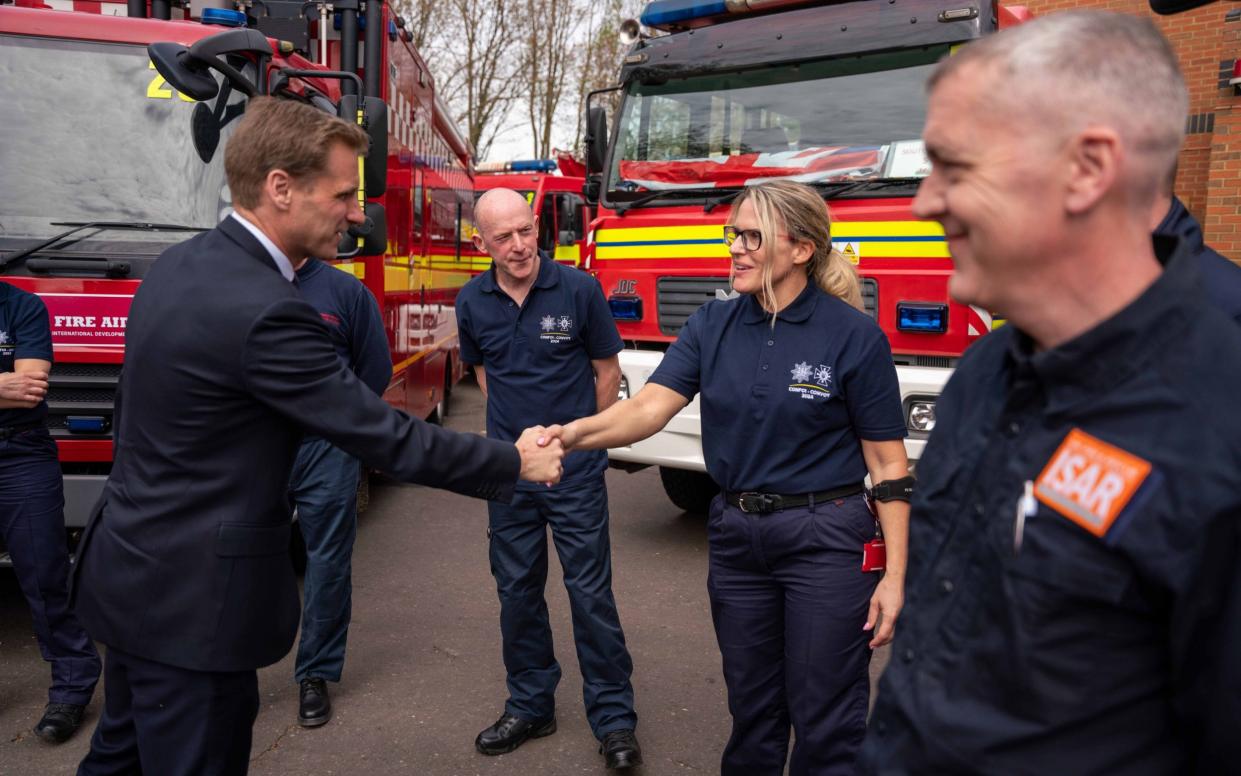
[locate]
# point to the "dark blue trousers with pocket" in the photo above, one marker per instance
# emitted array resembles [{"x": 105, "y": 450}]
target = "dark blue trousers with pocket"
[
  {"x": 32, "y": 523},
  {"x": 324, "y": 485},
  {"x": 789, "y": 599},
  {"x": 578, "y": 517}
]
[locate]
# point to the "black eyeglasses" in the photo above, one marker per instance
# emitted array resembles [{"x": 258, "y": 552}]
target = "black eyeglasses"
[{"x": 751, "y": 239}]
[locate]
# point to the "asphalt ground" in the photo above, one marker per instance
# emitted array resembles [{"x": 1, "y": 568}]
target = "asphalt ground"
[{"x": 423, "y": 672}]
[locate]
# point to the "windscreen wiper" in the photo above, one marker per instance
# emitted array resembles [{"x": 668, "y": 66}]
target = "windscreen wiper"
[
  {"x": 622, "y": 207},
  {"x": 81, "y": 226},
  {"x": 838, "y": 189}
]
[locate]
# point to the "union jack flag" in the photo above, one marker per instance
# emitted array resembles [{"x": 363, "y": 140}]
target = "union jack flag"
[{"x": 823, "y": 163}]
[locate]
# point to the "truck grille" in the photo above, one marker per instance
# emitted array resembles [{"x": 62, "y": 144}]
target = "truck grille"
[
  {"x": 940, "y": 362},
  {"x": 870, "y": 297},
  {"x": 81, "y": 389},
  {"x": 678, "y": 298}
]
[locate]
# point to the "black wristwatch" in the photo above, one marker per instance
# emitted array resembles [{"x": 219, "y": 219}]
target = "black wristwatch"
[{"x": 894, "y": 490}]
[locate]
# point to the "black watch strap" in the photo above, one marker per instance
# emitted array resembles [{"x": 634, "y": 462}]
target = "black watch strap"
[{"x": 894, "y": 490}]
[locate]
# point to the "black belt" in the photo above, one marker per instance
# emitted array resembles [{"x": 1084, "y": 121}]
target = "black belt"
[
  {"x": 762, "y": 503},
  {"x": 8, "y": 432}
]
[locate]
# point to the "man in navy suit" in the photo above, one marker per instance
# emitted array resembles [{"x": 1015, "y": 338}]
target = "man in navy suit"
[{"x": 183, "y": 570}]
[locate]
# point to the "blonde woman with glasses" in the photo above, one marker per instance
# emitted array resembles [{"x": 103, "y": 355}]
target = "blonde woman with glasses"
[{"x": 799, "y": 403}]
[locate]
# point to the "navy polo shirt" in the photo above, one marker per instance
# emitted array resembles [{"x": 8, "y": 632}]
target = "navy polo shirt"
[
  {"x": 1109, "y": 639},
  {"x": 353, "y": 318},
  {"x": 25, "y": 332},
  {"x": 784, "y": 408},
  {"x": 537, "y": 356}
]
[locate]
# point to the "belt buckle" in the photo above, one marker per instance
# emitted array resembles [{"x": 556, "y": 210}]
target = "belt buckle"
[{"x": 761, "y": 503}]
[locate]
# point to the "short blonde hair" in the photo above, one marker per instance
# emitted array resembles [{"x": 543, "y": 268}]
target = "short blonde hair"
[
  {"x": 803, "y": 215},
  {"x": 281, "y": 134}
]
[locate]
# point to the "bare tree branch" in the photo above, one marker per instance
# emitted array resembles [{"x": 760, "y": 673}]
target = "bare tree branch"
[{"x": 549, "y": 42}]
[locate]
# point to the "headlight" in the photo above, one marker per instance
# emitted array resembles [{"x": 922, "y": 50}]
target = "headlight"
[
  {"x": 921, "y": 416},
  {"x": 623, "y": 393}
]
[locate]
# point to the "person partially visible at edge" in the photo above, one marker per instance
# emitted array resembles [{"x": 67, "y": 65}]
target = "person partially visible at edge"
[
  {"x": 1221, "y": 278},
  {"x": 183, "y": 569},
  {"x": 544, "y": 348},
  {"x": 32, "y": 511},
  {"x": 800, "y": 402},
  {"x": 1075, "y": 602},
  {"x": 324, "y": 488}
]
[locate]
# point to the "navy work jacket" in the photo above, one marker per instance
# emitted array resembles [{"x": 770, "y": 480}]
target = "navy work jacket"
[
  {"x": 1220, "y": 277},
  {"x": 1100, "y": 631}
]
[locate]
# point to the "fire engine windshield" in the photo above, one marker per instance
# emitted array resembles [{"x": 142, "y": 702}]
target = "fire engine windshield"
[
  {"x": 93, "y": 133},
  {"x": 844, "y": 119}
]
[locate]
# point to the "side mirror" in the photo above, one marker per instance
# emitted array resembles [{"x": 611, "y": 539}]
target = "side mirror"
[
  {"x": 187, "y": 69},
  {"x": 596, "y": 139},
  {"x": 190, "y": 78},
  {"x": 590, "y": 190},
  {"x": 375, "y": 124},
  {"x": 373, "y": 231}
]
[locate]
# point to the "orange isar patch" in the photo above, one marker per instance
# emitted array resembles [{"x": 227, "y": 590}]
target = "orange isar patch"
[{"x": 1090, "y": 481}]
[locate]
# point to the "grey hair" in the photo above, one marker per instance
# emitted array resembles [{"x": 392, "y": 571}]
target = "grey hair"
[{"x": 1079, "y": 68}]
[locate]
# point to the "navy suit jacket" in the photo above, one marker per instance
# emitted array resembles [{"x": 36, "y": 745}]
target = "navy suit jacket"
[{"x": 185, "y": 561}]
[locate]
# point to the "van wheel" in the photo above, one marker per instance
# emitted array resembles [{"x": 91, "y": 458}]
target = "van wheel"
[
  {"x": 440, "y": 413},
  {"x": 689, "y": 490}
]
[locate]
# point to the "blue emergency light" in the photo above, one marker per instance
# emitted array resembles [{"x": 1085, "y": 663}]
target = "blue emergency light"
[
  {"x": 86, "y": 424},
  {"x": 922, "y": 317},
  {"x": 664, "y": 12},
  {"x": 626, "y": 308},
  {"x": 533, "y": 165},
  {"x": 225, "y": 17}
]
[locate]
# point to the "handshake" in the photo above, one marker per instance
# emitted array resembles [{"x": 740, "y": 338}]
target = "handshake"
[{"x": 542, "y": 450}]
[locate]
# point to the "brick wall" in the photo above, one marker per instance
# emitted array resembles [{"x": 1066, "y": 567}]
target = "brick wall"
[{"x": 1207, "y": 40}]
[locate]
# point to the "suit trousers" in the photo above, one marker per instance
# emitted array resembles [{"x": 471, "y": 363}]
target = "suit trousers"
[
  {"x": 789, "y": 599},
  {"x": 578, "y": 517},
  {"x": 161, "y": 720},
  {"x": 32, "y": 523},
  {"x": 324, "y": 486}
]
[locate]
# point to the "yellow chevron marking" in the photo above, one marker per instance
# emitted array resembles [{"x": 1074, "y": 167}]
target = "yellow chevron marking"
[{"x": 421, "y": 354}]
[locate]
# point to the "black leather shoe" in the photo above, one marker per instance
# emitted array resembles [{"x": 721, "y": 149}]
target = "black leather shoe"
[
  {"x": 510, "y": 732},
  {"x": 60, "y": 720},
  {"x": 315, "y": 706},
  {"x": 620, "y": 748}
]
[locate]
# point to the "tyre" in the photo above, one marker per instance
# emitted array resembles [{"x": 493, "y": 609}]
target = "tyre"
[
  {"x": 440, "y": 413},
  {"x": 691, "y": 491}
]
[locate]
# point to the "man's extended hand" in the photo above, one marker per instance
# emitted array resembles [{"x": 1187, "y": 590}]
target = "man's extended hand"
[
  {"x": 566, "y": 435},
  {"x": 23, "y": 389},
  {"x": 539, "y": 463}
]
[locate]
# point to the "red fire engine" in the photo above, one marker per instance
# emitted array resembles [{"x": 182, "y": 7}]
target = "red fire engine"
[
  {"x": 829, "y": 93},
  {"x": 105, "y": 163},
  {"x": 556, "y": 200}
]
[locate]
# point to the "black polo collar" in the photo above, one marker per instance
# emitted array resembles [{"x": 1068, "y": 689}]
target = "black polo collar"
[
  {"x": 1091, "y": 364},
  {"x": 798, "y": 311},
  {"x": 548, "y": 276}
]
